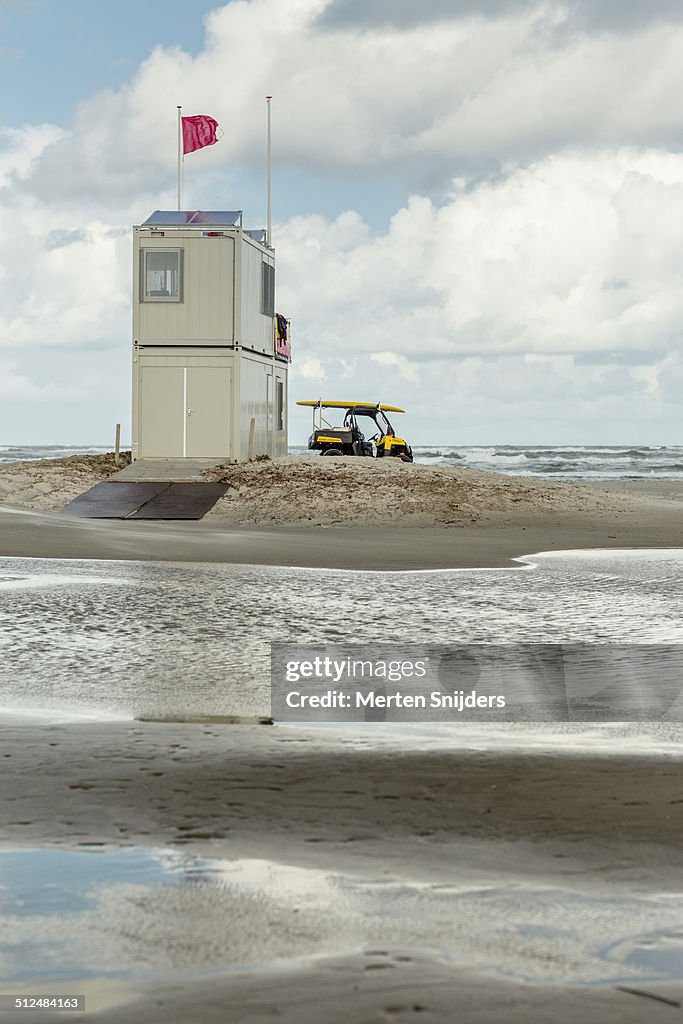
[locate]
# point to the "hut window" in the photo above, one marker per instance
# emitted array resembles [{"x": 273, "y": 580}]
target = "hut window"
[
  {"x": 267, "y": 289},
  {"x": 162, "y": 271},
  {"x": 280, "y": 405}
]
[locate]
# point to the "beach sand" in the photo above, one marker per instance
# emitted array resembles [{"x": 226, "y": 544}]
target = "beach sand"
[
  {"x": 374, "y": 811},
  {"x": 343, "y": 513},
  {"x": 428, "y": 819}
]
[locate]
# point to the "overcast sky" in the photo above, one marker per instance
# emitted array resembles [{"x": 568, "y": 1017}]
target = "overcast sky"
[{"x": 477, "y": 203}]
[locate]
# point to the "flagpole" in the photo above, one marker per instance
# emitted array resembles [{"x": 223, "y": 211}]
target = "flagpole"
[
  {"x": 269, "y": 229},
  {"x": 180, "y": 159}
]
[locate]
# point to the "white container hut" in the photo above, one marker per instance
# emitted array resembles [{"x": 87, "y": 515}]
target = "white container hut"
[{"x": 210, "y": 356}]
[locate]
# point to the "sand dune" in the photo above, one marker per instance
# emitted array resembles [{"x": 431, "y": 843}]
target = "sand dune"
[
  {"x": 348, "y": 491},
  {"x": 47, "y": 485},
  {"x": 343, "y": 513},
  {"x": 301, "y": 490}
]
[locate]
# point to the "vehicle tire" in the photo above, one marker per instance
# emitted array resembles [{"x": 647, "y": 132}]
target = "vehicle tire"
[
  {"x": 332, "y": 451},
  {"x": 406, "y": 458}
]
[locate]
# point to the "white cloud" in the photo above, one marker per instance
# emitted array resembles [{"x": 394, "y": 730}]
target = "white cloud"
[
  {"x": 616, "y": 15},
  {"x": 575, "y": 253},
  {"x": 544, "y": 296},
  {"x": 310, "y": 368},
  {"x": 425, "y": 99},
  {"x": 20, "y": 149},
  {"x": 64, "y": 296},
  {"x": 555, "y": 293},
  {"x": 15, "y": 385},
  {"x": 405, "y": 367}
]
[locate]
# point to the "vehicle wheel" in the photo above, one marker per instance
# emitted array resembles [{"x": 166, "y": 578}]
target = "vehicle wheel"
[
  {"x": 406, "y": 458},
  {"x": 332, "y": 451}
]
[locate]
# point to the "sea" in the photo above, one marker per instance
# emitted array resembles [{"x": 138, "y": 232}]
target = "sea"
[
  {"x": 562, "y": 462},
  {"x": 33, "y": 452},
  {"x": 157, "y": 639}
]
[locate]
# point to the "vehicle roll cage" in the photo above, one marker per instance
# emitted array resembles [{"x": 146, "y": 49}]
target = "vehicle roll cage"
[
  {"x": 380, "y": 419},
  {"x": 374, "y": 412}
]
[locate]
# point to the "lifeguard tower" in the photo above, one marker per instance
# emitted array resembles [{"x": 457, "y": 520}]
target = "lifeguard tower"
[{"x": 210, "y": 355}]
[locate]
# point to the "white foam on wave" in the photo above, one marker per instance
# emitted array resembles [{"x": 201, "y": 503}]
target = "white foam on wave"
[
  {"x": 22, "y": 582},
  {"x": 642, "y": 738},
  {"x": 59, "y": 716},
  {"x": 561, "y": 462}
]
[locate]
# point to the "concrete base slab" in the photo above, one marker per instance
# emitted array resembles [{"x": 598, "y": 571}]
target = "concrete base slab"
[{"x": 167, "y": 470}]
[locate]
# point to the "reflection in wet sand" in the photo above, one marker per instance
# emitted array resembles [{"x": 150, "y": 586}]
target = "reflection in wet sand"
[
  {"x": 397, "y": 844},
  {"x": 135, "y": 912}
]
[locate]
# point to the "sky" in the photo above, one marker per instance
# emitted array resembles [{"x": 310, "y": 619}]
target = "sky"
[{"x": 477, "y": 204}]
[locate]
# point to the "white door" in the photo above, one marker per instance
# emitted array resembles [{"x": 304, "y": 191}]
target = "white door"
[
  {"x": 161, "y": 411},
  {"x": 207, "y": 412}
]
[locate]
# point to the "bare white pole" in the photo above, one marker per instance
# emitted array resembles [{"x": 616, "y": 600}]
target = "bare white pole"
[
  {"x": 180, "y": 159},
  {"x": 269, "y": 229}
]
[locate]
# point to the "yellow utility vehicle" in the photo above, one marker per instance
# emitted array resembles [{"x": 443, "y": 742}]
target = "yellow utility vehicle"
[{"x": 348, "y": 439}]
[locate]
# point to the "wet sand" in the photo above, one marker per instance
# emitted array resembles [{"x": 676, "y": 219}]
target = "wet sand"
[
  {"x": 369, "y": 807},
  {"x": 486, "y": 545},
  {"x": 387, "y": 987},
  {"x": 380, "y": 987},
  {"x": 134, "y": 781},
  {"x": 433, "y": 816},
  {"x": 343, "y": 513}
]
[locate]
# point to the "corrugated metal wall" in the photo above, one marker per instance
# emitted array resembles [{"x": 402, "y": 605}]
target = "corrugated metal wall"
[
  {"x": 257, "y": 329},
  {"x": 206, "y": 312}
]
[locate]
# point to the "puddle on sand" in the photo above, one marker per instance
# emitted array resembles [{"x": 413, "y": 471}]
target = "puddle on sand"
[{"x": 138, "y": 912}]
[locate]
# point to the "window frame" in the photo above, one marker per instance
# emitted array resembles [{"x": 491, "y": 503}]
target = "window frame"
[
  {"x": 144, "y": 252},
  {"x": 267, "y": 289},
  {"x": 279, "y": 403}
]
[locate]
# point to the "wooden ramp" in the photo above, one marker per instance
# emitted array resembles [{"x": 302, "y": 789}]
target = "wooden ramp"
[{"x": 159, "y": 500}]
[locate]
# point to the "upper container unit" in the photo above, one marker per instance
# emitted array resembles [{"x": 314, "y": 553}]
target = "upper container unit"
[{"x": 201, "y": 280}]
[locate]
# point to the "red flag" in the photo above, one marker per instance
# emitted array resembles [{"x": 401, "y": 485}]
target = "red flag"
[{"x": 198, "y": 131}]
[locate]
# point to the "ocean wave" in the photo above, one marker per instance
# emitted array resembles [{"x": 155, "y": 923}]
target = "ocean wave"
[
  {"x": 426, "y": 453},
  {"x": 34, "y": 453},
  {"x": 570, "y": 462},
  {"x": 506, "y": 460},
  {"x": 561, "y": 467}
]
